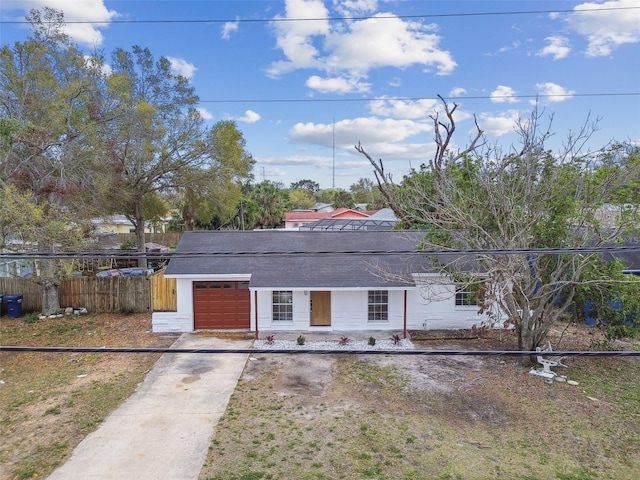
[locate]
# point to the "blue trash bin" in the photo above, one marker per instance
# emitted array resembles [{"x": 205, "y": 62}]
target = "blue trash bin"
[
  {"x": 1, "y": 304},
  {"x": 13, "y": 305}
]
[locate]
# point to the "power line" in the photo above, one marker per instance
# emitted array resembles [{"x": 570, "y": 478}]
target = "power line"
[
  {"x": 255, "y": 253},
  {"x": 331, "y": 19},
  {"x": 413, "y": 99},
  {"x": 253, "y": 351}
]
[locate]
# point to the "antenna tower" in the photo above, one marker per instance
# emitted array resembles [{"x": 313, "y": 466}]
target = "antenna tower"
[{"x": 333, "y": 150}]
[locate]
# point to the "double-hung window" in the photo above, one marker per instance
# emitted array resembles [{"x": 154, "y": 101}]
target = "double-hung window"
[
  {"x": 378, "y": 306},
  {"x": 282, "y": 305},
  {"x": 465, "y": 297}
]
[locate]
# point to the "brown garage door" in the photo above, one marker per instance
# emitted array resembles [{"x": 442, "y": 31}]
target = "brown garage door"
[{"x": 221, "y": 305}]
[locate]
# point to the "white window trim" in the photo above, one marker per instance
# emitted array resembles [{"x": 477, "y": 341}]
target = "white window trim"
[{"x": 369, "y": 304}]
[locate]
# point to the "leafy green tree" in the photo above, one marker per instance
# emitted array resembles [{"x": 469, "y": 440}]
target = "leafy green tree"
[
  {"x": 176, "y": 223},
  {"x": 49, "y": 124},
  {"x": 325, "y": 195},
  {"x": 270, "y": 204},
  {"x": 337, "y": 197},
  {"x": 301, "y": 198},
  {"x": 212, "y": 198},
  {"x": 28, "y": 221},
  {"x": 156, "y": 140},
  {"x": 309, "y": 185},
  {"x": 362, "y": 191},
  {"x": 611, "y": 297},
  {"x": 366, "y": 191},
  {"x": 342, "y": 199},
  {"x": 509, "y": 206}
]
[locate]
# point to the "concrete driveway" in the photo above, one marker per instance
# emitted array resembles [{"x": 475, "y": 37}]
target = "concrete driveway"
[{"x": 165, "y": 428}]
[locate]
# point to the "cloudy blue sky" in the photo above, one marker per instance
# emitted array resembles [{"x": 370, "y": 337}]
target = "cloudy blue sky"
[{"x": 306, "y": 80}]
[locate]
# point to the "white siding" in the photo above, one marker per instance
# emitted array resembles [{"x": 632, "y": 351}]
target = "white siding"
[
  {"x": 171, "y": 322},
  {"x": 430, "y": 306},
  {"x": 349, "y": 310},
  {"x": 265, "y": 312}
]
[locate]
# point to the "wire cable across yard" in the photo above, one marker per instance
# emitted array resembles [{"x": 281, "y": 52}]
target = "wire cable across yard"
[{"x": 512, "y": 353}]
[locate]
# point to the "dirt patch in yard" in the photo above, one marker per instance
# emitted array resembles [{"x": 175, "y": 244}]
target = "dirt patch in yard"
[{"x": 431, "y": 417}]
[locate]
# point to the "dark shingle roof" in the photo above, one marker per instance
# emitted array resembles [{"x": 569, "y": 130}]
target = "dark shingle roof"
[{"x": 293, "y": 259}]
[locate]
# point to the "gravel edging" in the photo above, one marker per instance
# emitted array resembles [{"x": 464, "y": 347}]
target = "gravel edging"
[{"x": 404, "y": 344}]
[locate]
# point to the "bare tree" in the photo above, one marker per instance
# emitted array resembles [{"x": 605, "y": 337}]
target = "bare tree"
[
  {"x": 511, "y": 206},
  {"x": 443, "y": 157}
]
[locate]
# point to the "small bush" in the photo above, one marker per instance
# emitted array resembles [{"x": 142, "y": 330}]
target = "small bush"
[
  {"x": 32, "y": 318},
  {"x": 396, "y": 339},
  {"x": 129, "y": 245},
  {"x": 301, "y": 340},
  {"x": 344, "y": 340},
  {"x": 269, "y": 339},
  {"x": 372, "y": 341}
]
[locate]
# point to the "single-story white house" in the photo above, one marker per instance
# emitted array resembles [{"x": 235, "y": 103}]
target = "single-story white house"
[{"x": 274, "y": 280}]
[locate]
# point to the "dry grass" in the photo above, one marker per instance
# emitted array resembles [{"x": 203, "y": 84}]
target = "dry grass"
[
  {"x": 339, "y": 417},
  {"x": 51, "y": 401}
]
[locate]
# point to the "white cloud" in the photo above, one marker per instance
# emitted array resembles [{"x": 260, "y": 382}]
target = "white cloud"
[
  {"x": 395, "y": 82},
  {"x": 230, "y": 27},
  {"x": 93, "y": 11},
  {"x": 386, "y": 42},
  {"x": 558, "y": 48},
  {"x": 408, "y": 109},
  {"x": 352, "y": 48},
  {"x": 503, "y": 94},
  {"x": 515, "y": 45},
  {"x": 272, "y": 172},
  {"x": 609, "y": 29},
  {"x": 337, "y": 85},
  {"x": 182, "y": 67},
  {"x": 457, "y": 91},
  {"x": 295, "y": 39},
  {"x": 348, "y": 8},
  {"x": 249, "y": 117},
  {"x": 508, "y": 48},
  {"x": 298, "y": 160},
  {"x": 498, "y": 125},
  {"x": 368, "y": 130},
  {"x": 553, "y": 92},
  {"x": 204, "y": 113}
]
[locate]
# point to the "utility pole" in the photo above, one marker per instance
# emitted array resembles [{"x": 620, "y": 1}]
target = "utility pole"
[{"x": 333, "y": 154}]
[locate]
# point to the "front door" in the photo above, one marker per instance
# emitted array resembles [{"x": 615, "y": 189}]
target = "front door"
[{"x": 320, "y": 309}]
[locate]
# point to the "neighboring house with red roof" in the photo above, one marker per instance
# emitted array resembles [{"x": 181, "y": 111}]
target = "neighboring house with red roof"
[{"x": 297, "y": 218}]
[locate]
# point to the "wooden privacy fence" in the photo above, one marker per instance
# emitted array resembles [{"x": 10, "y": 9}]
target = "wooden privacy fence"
[
  {"x": 163, "y": 293},
  {"x": 97, "y": 295},
  {"x": 107, "y": 295},
  {"x": 169, "y": 239},
  {"x": 31, "y": 291}
]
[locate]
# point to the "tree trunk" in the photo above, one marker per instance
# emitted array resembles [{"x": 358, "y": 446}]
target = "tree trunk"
[
  {"x": 527, "y": 340},
  {"x": 49, "y": 283},
  {"x": 50, "y": 298},
  {"x": 139, "y": 226}
]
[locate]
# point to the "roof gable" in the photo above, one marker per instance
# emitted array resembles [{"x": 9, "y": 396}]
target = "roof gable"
[{"x": 348, "y": 213}]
